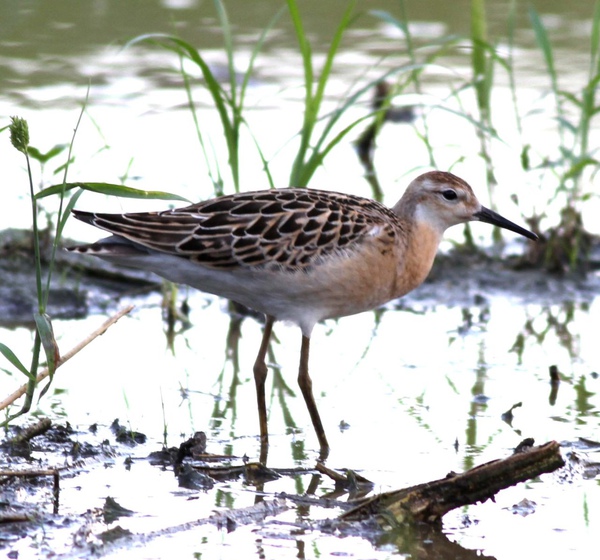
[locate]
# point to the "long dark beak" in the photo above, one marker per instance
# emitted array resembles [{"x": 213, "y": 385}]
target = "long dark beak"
[{"x": 490, "y": 217}]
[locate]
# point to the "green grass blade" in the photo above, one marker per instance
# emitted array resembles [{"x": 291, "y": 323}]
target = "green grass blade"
[
  {"x": 309, "y": 111},
  {"x": 588, "y": 98},
  {"x": 391, "y": 20},
  {"x": 510, "y": 68},
  {"x": 414, "y": 77},
  {"x": 319, "y": 155},
  {"x": 34, "y": 153},
  {"x": 595, "y": 43},
  {"x": 231, "y": 125},
  {"x": 219, "y": 96},
  {"x": 212, "y": 163},
  {"x": 61, "y": 217},
  {"x": 229, "y": 49},
  {"x": 46, "y": 333},
  {"x": 111, "y": 190},
  {"x": 314, "y": 93},
  {"x": 67, "y": 213},
  {"x": 543, "y": 42},
  {"x": 331, "y": 53},
  {"x": 254, "y": 54},
  {"x": 479, "y": 56},
  {"x": 264, "y": 161},
  {"x": 12, "y": 358},
  {"x": 324, "y": 144},
  {"x": 576, "y": 169},
  {"x": 304, "y": 46}
]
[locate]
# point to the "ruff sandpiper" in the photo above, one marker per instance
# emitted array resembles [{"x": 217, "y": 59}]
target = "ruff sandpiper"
[{"x": 296, "y": 255}]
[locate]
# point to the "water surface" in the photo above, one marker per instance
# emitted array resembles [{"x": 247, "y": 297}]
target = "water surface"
[{"x": 406, "y": 394}]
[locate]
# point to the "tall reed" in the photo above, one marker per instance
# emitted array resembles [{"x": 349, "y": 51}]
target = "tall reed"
[
  {"x": 228, "y": 98},
  {"x": 68, "y": 194},
  {"x": 44, "y": 335},
  {"x": 575, "y": 162}
]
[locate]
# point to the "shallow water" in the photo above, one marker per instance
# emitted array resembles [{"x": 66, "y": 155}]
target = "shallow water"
[
  {"x": 406, "y": 394},
  {"x": 420, "y": 392}
]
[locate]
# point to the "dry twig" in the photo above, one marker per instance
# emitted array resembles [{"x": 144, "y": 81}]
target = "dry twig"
[{"x": 68, "y": 355}]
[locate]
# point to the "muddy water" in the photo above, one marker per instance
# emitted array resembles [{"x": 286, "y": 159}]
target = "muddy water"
[{"x": 406, "y": 394}]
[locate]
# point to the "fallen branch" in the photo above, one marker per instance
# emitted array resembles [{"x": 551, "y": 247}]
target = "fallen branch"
[
  {"x": 67, "y": 356},
  {"x": 10, "y": 517},
  {"x": 28, "y": 433},
  {"x": 430, "y": 501},
  {"x": 29, "y": 473}
]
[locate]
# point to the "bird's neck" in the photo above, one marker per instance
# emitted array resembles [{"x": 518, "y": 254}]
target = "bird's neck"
[{"x": 422, "y": 243}]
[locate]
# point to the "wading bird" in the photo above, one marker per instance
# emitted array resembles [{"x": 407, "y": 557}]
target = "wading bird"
[{"x": 296, "y": 255}]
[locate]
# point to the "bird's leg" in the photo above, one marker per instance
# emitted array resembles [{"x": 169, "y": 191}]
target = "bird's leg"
[
  {"x": 260, "y": 376},
  {"x": 305, "y": 383}
]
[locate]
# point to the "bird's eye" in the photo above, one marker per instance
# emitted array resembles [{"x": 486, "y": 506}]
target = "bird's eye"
[{"x": 449, "y": 194}]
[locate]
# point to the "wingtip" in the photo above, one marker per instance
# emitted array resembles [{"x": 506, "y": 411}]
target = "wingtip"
[
  {"x": 109, "y": 247},
  {"x": 86, "y": 217},
  {"x": 81, "y": 249}
]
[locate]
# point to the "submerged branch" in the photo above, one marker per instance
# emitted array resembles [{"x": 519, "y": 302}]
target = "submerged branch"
[{"x": 430, "y": 501}]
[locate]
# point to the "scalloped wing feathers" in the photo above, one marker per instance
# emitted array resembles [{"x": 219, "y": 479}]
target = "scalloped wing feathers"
[{"x": 293, "y": 228}]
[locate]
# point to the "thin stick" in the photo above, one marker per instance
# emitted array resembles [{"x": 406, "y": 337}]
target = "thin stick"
[
  {"x": 32, "y": 473},
  {"x": 54, "y": 473},
  {"x": 76, "y": 349}
]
